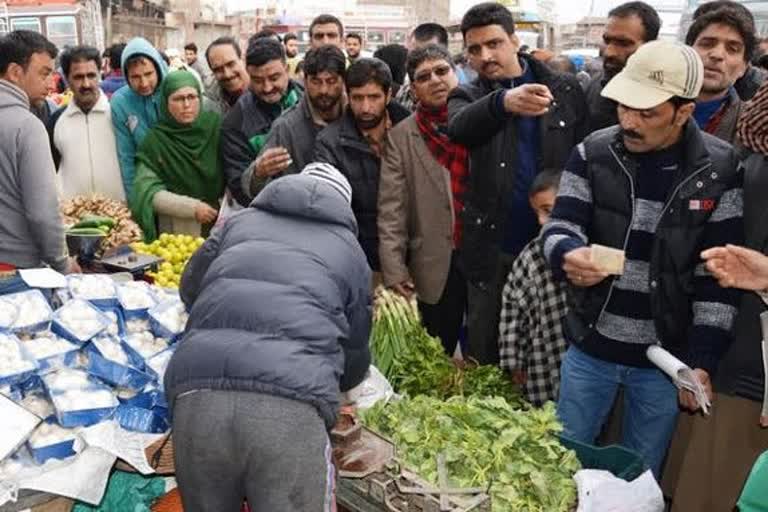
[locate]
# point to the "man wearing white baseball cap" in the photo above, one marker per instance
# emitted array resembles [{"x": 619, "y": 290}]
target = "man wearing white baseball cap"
[{"x": 658, "y": 190}]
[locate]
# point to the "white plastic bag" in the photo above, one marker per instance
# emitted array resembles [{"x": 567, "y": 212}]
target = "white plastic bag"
[
  {"x": 601, "y": 491},
  {"x": 374, "y": 387}
]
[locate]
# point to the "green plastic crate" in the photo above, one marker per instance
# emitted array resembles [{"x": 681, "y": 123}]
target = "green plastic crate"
[
  {"x": 754, "y": 498},
  {"x": 620, "y": 461}
]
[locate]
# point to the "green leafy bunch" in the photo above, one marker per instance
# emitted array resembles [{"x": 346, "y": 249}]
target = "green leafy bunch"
[
  {"x": 416, "y": 364},
  {"x": 487, "y": 443}
]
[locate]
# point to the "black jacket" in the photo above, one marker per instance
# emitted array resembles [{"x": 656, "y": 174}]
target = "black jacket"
[
  {"x": 710, "y": 168},
  {"x": 490, "y": 135},
  {"x": 244, "y": 132},
  {"x": 741, "y": 370},
  {"x": 602, "y": 111},
  {"x": 750, "y": 82},
  {"x": 342, "y": 145}
]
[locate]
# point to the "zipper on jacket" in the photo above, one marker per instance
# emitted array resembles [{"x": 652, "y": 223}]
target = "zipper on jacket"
[
  {"x": 632, "y": 218},
  {"x": 90, "y": 154},
  {"x": 626, "y": 235}
]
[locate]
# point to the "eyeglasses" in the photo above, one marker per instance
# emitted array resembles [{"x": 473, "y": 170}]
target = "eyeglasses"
[
  {"x": 439, "y": 71},
  {"x": 189, "y": 98}
]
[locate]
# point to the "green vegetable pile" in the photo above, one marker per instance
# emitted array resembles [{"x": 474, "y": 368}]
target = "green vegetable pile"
[
  {"x": 487, "y": 443},
  {"x": 416, "y": 364}
]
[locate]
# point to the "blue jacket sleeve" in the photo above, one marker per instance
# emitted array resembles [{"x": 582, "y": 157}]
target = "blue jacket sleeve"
[
  {"x": 126, "y": 146},
  {"x": 357, "y": 355}
]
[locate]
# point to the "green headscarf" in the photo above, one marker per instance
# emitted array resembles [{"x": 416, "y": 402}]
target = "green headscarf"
[{"x": 183, "y": 159}]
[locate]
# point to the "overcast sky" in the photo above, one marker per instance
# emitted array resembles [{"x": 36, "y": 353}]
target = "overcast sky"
[{"x": 567, "y": 10}]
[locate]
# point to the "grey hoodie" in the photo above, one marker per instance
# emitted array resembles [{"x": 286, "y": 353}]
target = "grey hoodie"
[{"x": 31, "y": 228}]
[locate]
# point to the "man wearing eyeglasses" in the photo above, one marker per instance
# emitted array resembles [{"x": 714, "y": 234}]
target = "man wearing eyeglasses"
[
  {"x": 421, "y": 190},
  {"x": 517, "y": 119}
]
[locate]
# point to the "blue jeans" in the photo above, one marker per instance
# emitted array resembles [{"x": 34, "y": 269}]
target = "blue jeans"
[{"x": 588, "y": 388}]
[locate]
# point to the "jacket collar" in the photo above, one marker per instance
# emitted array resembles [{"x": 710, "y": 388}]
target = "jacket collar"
[
  {"x": 350, "y": 134},
  {"x": 694, "y": 150}
]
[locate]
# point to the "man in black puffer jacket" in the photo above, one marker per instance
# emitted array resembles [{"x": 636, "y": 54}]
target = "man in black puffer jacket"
[{"x": 280, "y": 314}]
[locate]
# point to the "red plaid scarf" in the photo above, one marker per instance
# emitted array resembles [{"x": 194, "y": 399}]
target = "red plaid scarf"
[
  {"x": 455, "y": 158},
  {"x": 752, "y": 128}
]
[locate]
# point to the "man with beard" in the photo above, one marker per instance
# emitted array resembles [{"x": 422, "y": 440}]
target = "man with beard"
[
  {"x": 291, "y": 142},
  {"x": 629, "y": 26},
  {"x": 518, "y": 119},
  {"x": 291, "y": 43},
  {"x": 725, "y": 41},
  {"x": 231, "y": 79},
  {"x": 245, "y": 129},
  {"x": 355, "y": 144},
  {"x": 82, "y": 137}
]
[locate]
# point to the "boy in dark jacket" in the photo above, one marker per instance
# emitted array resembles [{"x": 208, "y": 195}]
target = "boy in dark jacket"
[{"x": 280, "y": 314}]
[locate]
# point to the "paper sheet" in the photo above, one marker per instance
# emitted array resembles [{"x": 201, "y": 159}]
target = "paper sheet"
[
  {"x": 125, "y": 445},
  {"x": 82, "y": 477},
  {"x": 610, "y": 260},
  {"x": 680, "y": 374},
  {"x": 16, "y": 426},
  {"x": 43, "y": 278}
]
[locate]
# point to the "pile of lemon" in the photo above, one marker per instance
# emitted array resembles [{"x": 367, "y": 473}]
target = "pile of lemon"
[{"x": 175, "y": 251}]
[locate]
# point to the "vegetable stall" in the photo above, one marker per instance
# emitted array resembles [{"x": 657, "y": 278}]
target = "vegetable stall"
[{"x": 84, "y": 360}]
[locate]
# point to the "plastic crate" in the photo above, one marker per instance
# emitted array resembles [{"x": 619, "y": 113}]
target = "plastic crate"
[
  {"x": 126, "y": 295},
  {"x": 62, "y": 327},
  {"x": 107, "y": 296},
  {"x": 31, "y": 300},
  {"x": 622, "y": 462}
]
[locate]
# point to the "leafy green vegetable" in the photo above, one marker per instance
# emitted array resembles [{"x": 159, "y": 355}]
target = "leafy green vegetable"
[
  {"x": 416, "y": 364},
  {"x": 487, "y": 443}
]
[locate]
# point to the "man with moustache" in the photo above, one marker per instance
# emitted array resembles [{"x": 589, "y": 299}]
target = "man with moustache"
[
  {"x": 326, "y": 29},
  {"x": 291, "y": 142},
  {"x": 82, "y": 137},
  {"x": 355, "y": 144},
  {"x": 354, "y": 46},
  {"x": 231, "y": 79},
  {"x": 291, "y": 43},
  {"x": 629, "y": 26},
  {"x": 660, "y": 190},
  {"x": 246, "y": 128},
  {"x": 725, "y": 41},
  {"x": 517, "y": 119}
]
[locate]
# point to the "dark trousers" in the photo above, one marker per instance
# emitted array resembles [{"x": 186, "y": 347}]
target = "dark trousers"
[
  {"x": 443, "y": 320},
  {"x": 232, "y": 445},
  {"x": 484, "y": 310}
]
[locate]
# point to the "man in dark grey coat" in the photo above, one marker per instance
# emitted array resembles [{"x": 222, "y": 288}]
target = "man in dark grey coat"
[
  {"x": 291, "y": 142},
  {"x": 280, "y": 313}
]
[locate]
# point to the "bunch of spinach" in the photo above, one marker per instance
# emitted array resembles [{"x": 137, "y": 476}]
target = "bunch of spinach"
[
  {"x": 487, "y": 443},
  {"x": 416, "y": 364}
]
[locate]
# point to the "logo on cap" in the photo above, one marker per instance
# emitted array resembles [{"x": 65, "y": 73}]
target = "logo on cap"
[{"x": 657, "y": 76}]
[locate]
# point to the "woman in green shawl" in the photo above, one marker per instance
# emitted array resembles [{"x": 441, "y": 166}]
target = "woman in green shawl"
[{"x": 179, "y": 180}]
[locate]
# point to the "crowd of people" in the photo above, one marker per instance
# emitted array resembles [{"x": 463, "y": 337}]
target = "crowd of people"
[{"x": 479, "y": 185}]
